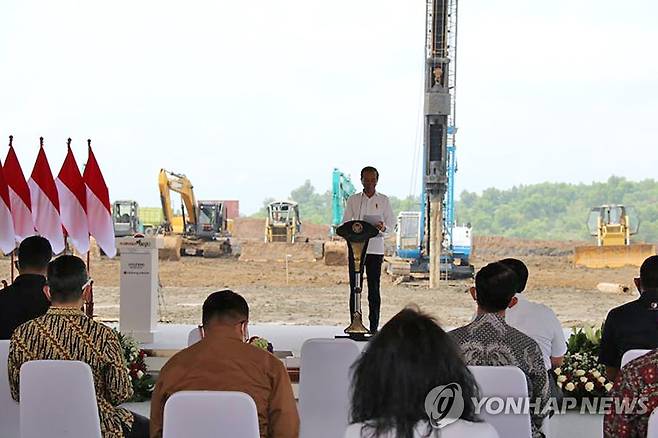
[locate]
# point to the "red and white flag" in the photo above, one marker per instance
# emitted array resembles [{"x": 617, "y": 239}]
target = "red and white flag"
[
  {"x": 7, "y": 236},
  {"x": 45, "y": 203},
  {"x": 19, "y": 196},
  {"x": 99, "y": 211},
  {"x": 73, "y": 202}
]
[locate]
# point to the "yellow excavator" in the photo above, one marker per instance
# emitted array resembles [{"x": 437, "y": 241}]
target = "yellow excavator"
[
  {"x": 613, "y": 226},
  {"x": 200, "y": 229}
]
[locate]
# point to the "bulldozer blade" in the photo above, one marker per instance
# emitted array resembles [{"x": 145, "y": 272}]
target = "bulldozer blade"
[
  {"x": 612, "y": 256},
  {"x": 335, "y": 253}
]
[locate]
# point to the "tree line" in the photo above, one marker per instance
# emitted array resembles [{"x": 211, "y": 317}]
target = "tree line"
[{"x": 554, "y": 211}]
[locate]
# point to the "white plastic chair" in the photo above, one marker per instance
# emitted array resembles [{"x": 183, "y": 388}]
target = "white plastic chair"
[
  {"x": 632, "y": 354},
  {"x": 652, "y": 429},
  {"x": 194, "y": 336},
  {"x": 503, "y": 382},
  {"x": 459, "y": 429},
  {"x": 9, "y": 413},
  {"x": 324, "y": 386},
  {"x": 210, "y": 414},
  {"x": 57, "y": 399}
]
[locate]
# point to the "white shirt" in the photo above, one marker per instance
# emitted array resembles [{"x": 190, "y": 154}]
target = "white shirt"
[
  {"x": 458, "y": 429},
  {"x": 360, "y": 207},
  {"x": 540, "y": 323}
]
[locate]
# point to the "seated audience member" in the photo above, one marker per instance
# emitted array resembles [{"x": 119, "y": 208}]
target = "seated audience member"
[
  {"x": 24, "y": 299},
  {"x": 65, "y": 333},
  {"x": 537, "y": 321},
  {"x": 223, "y": 361},
  {"x": 632, "y": 325},
  {"x": 490, "y": 341},
  {"x": 636, "y": 380},
  {"x": 409, "y": 357}
]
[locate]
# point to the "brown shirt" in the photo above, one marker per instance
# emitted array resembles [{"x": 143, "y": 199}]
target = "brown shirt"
[
  {"x": 224, "y": 363},
  {"x": 68, "y": 334}
]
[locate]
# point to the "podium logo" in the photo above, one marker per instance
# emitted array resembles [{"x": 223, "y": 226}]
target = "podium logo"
[{"x": 444, "y": 405}]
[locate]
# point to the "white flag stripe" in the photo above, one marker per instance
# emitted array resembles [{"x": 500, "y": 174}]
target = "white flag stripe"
[
  {"x": 100, "y": 224},
  {"x": 73, "y": 217},
  {"x": 46, "y": 218},
  {"x": 23, "y": 224},
  {"x": 7, "y": 235}
]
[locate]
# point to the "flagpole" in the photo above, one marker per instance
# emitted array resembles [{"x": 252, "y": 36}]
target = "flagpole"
[
  {"x": 90, "y": 299},
  {"x": 89, "y": 304},
  {"x": 13, "y": 260}
]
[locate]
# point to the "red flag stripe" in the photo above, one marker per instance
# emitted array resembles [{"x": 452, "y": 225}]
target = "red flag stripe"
[
  {"x": 15, "y": 178},
  {"x": 93, "y": 178},
  {"x": 4, "y": 189},
  {"x": 43, "y": 177},
  {"x": 72, "y": 179}
]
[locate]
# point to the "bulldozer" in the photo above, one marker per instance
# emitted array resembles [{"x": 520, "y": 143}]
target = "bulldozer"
[
  {"x": 282, "y": 240},
  {"x": 200, "y": 229},
  {"x": 613, "y": 226},
  {"x": 282, "y": 223}
]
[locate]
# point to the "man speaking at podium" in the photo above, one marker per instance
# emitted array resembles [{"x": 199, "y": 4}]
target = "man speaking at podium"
[{"x": 375, "y": 208}]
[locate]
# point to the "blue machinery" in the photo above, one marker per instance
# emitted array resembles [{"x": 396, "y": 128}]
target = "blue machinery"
[{"x": 341, "y": 189}]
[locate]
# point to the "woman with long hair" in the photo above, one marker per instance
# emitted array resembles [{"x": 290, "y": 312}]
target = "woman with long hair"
[{"x": 403, "y": 363}]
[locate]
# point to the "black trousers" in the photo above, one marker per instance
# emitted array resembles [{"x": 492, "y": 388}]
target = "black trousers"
[
  {"x": 140, "y": 427},
  {"x": 373, "y": 268}
]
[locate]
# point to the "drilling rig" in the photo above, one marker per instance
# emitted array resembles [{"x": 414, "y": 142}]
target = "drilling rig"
[{"x": 439, "y": 128}]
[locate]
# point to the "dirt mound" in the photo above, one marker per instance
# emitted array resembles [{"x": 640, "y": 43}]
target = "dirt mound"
[
  {"x": 254, "y": 251},
  {"x": 497, "y": 246},
  {"x": 254, "y": 228}
]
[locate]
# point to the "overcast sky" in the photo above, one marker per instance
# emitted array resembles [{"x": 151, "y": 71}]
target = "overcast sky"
[{"x": 250, "y": 98}]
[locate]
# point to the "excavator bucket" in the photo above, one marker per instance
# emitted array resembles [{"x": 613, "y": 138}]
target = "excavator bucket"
[
  {"x": 335, "y": 253},
  {"x": 614, "y": 256},
  {"x": 278, "y": 251},
  {"x": 171, "y": 249}
]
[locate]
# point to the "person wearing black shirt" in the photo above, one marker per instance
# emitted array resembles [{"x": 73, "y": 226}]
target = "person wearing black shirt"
[
  {"x": 632, "y": 325},
  {"x": 24, "y": 299}
]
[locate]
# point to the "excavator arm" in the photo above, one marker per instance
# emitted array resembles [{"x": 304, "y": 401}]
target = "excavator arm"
[{"x": 172, "y": 182}]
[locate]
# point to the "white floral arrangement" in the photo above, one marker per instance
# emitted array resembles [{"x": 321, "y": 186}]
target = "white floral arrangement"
[
  {"x": 581, "y": 375},
  {"x": 143, "y": 383}
]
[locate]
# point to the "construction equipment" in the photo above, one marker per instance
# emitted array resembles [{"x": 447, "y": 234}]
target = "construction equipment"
[
  {"x": 125, "y": 216},
  {"x": 334, "y": 250},
  {"x": 613, "y": 226},
  {"x": 454, "y": 261},
  {"x": 429, "y": 241},
  {"x": 341, "y": 189},
  {"x": 200, "y": 229},
  {"x": 282, "y": 223},
  {"x": 151, "y": 219}
]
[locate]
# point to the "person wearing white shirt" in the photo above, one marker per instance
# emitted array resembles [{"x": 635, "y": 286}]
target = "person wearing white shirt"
[
  {"x": 537, "y": 321},
  {"x": 375, "y": 208}
]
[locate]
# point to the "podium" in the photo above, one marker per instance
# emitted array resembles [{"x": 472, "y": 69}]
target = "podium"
[
  {"x": 139, "y": 284},
  {"x": 357, "y": 234}
]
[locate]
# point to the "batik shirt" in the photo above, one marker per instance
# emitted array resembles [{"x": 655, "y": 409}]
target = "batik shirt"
[
  {"x": 68, "y": 334},
  {"x": 637, "y": 379},
  {"x": 489, "y": 341}
]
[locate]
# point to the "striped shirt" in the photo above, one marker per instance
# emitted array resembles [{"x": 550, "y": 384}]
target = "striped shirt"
[{"x": 68, "y": 334}]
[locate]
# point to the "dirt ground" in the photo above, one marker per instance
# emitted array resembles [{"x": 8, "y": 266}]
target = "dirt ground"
[{"x": 318, "y": 294}]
